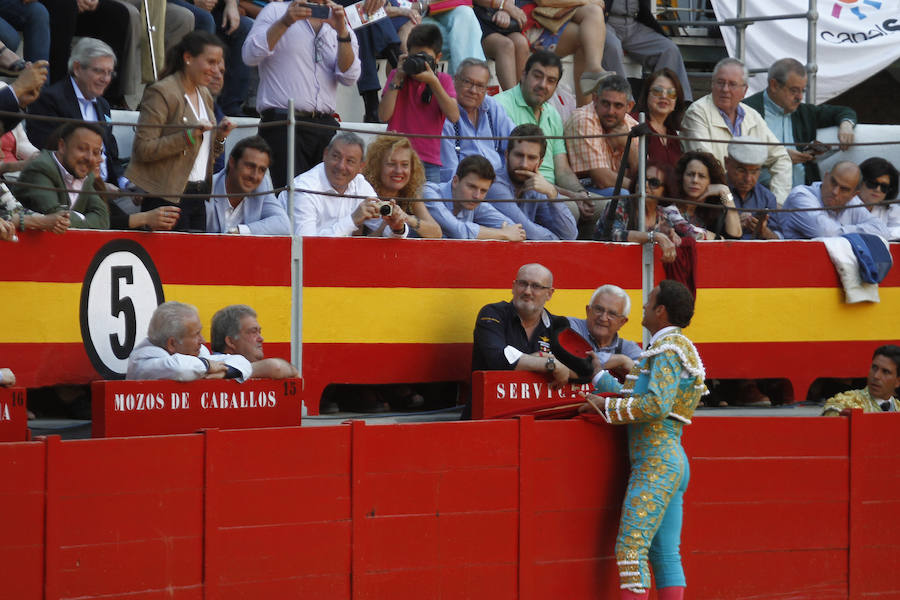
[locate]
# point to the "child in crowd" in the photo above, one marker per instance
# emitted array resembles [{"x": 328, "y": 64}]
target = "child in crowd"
[{"x": 416, "y": 99}]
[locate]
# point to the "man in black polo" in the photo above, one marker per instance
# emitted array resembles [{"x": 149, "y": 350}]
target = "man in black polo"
[{"x": 515, "y": 336}]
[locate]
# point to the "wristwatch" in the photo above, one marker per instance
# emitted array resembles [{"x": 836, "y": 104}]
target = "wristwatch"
[
  {"x": 550, "y": 365},
  {"x": 395, "y": 86}
]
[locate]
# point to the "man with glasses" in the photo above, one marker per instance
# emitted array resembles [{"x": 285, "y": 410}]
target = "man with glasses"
[
  {"x": 795, "y": 122},
  {"x": 479, "y": 116},
  {"x": 721, "y": 116},
  {"x": 742, "y": 167},
  {"x": 515, "y": 336},
  {"x": 606, "y": 313},
  {"x": 841, "y": 209},
  {"x": 80, "y": 96}
]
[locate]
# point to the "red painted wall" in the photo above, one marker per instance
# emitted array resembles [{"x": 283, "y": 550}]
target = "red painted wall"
[{"x": 777, "y": 507}]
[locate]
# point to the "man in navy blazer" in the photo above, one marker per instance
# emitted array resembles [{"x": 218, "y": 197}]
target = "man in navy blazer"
[
  {"x": 80, "y": 96},
  {"x": 255, "y": 209},
  {"x": 22, "y": 92}
]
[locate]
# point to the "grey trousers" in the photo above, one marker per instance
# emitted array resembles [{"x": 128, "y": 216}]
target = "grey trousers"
[{"x": 652, "y": 50}]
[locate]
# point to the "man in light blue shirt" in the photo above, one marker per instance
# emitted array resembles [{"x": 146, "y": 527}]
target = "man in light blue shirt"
[
  {"x": 479, "y": 116},
  {"x": 459, "y": 209},
  {"x": 743, "y": 165},
  {"x": 256, "y": 211},
  {"x": 842, "y": 211},
  {"x": 521, "y": 179}
]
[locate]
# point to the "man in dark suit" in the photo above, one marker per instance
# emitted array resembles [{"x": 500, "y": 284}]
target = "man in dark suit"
[
  {"x": 794, "y": 121},
  {"x": 80, "y": 96},
  {"x": 22, "y": 92}
]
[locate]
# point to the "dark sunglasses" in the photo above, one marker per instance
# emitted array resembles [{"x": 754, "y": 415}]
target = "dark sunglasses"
[
  {"x": 877, "y": 185},
  {"x": 654, "y": 182}
]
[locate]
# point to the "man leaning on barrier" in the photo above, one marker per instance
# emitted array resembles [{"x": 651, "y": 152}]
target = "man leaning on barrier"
[
  {"x": 236, "y": 331},
  {"x": 881, "y": 385},
  {"x": 841, "y": 209},
  {"x": 459, "y": 208},
  {"x": 173, "y": 349},
  {"x": 515, "y": 335},
  {"x": 331, "y": 213},
  {"x": 605, "y": 314}
]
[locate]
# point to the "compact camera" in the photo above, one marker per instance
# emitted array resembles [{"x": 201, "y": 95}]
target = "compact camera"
[
  {"x": 415, "y": 63},
  {"x": 385, "y": 209}
]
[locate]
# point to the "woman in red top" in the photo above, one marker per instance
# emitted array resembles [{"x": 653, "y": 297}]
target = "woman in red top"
[{"x": 662, "y": 99}]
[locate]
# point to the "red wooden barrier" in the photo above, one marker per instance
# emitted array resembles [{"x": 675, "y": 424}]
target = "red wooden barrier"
[
  {"x": 122, "y": 408},
  {"x": 776, "y": 508},
  {"x": 501, "y": 392},
  {"x": 13, "y": 415}
]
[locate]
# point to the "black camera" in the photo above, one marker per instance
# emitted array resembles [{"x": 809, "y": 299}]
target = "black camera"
[{"x": 415, "y": 63}]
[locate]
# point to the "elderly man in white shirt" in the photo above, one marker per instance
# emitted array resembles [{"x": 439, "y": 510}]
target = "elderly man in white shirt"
[
  {"x": 258, "y": 211},
  {"x": 347, "y": 201},
  {"x": 173, "y": 349}
]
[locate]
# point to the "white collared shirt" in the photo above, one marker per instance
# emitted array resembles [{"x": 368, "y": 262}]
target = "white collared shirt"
[
  {"x": 89, "y": 113},
  {"x": 330, "y": 216},
  {"x": 198, "y": 171}
]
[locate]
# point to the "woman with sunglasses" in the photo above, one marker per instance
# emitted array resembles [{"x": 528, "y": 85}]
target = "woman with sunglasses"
[
  {"x": 701, "y": 179},
  {"x": 879, "y": 183},
  {"x": 657, "y": 230},
  {"x": 662, "y": 100}
]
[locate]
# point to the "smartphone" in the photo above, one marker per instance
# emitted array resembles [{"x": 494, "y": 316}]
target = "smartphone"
[{"x": 319, "y": 11}]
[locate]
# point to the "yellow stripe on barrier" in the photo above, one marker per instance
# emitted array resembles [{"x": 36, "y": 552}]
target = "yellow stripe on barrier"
[
  {"x": 792, "y": 315},
  {"x": 419, "y": 315},
  {"x": 46, "y": 312},
  {"x": 447, "y": 315}
]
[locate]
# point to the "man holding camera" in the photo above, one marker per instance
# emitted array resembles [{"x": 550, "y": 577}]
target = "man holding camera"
[
  {"x": 303, "y": 51},
  {"x": 347, "y": 201}
]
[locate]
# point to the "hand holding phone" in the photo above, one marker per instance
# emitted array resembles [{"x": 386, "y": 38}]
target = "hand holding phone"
[{"x": 318, "y": 11}]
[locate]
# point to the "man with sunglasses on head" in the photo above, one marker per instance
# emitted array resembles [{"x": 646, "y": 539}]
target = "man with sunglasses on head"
[
  {"x": 515, "y": 336},
  {"x": 842, "y": 210},
  {"x": 795, "y": 122},
  {"x": 605, "y": 314}
]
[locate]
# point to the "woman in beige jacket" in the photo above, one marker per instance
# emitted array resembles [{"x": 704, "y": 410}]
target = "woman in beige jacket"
[{"x": 173, "y": 163}]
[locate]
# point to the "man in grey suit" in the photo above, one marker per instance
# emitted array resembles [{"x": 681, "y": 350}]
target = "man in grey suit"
[{"x": 255, "y": 210}]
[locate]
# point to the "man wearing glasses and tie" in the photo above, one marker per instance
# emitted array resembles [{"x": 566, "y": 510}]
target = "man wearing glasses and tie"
[
  {"x": 881, "y": 385},
  {"x": 515, "y": 336}
]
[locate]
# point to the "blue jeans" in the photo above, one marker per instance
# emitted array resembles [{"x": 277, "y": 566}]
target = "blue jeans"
[
  {"x": 237, "y": 74},
  {"x": 34, "y": 22},
  {"x": 462, "y": 35}
]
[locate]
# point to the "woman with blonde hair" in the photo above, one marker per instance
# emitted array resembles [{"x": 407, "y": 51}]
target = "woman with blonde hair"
[{"x": 396, "y": 172}]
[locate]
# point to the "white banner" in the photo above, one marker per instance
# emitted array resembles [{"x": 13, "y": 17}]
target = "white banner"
[{"x": 854, "y": 39}]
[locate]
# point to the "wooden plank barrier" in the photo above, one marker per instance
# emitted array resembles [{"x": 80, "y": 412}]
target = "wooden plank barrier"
[
  {"x": 13, "y": 415},
  {"x": 501, "y": 392},
  {"x": 764, "y": 310},
  {"x": 122, "y": 408},
  {"x": 779, "y": 507}
]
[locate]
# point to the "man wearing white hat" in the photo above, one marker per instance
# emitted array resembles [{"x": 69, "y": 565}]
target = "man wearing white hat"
[{"x": 743, "y": 164}]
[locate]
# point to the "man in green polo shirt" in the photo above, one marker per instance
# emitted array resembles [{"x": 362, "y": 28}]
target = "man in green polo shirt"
[{"x": 527, "y": 103}]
